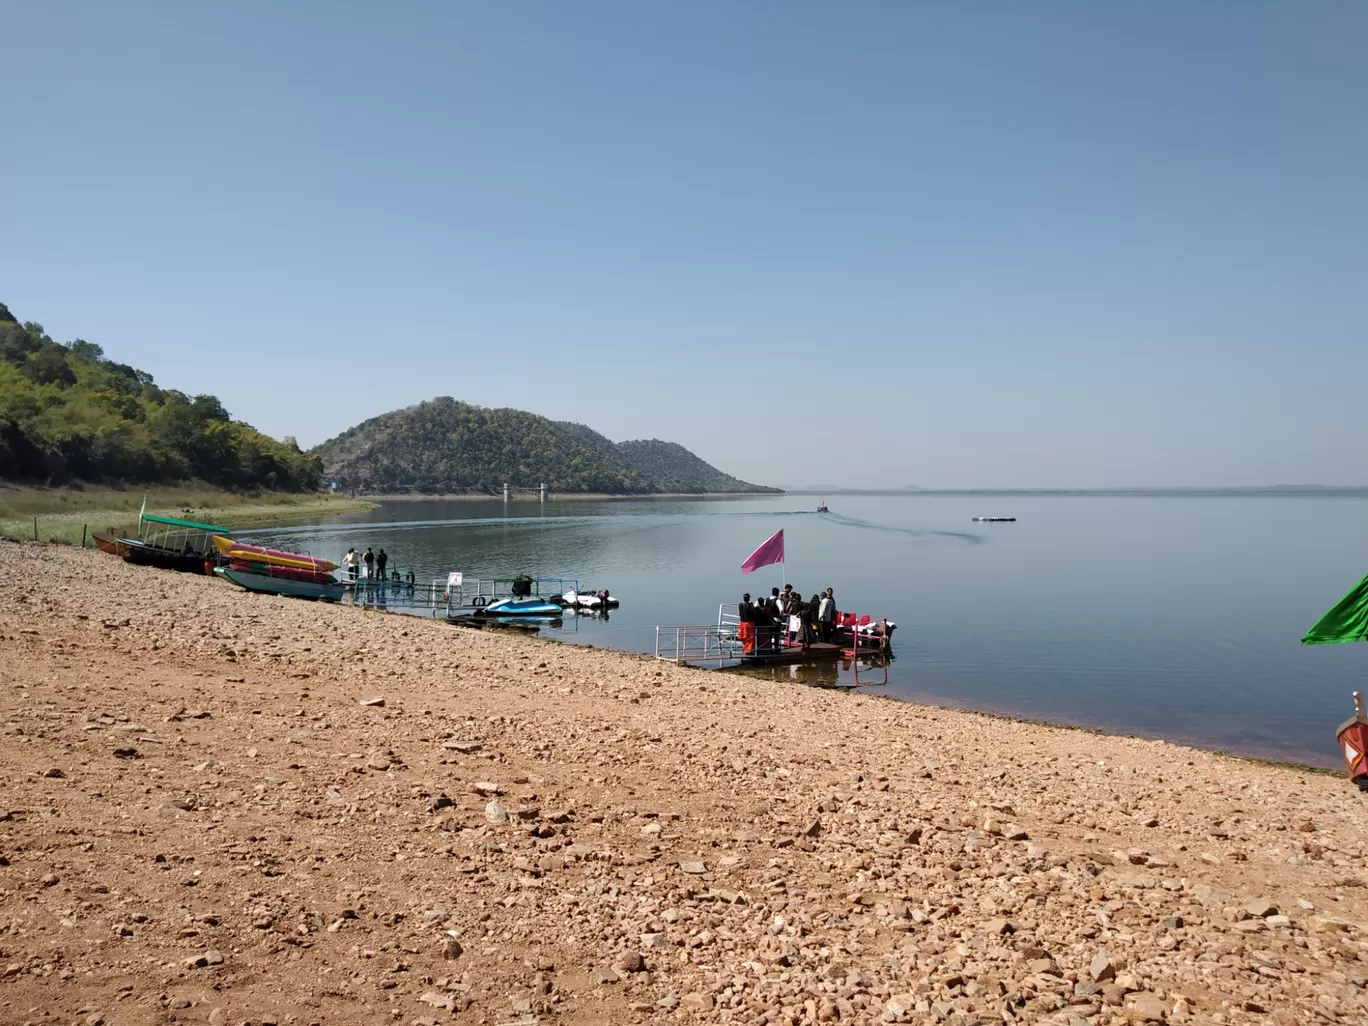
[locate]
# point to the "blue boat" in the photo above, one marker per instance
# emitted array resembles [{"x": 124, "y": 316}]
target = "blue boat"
[{"x": 521, "y": 607}]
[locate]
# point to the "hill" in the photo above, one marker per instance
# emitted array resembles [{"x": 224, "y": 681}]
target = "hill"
[
  {"x": 69, "y": 414},
  {"x": 444, "y": 446}
]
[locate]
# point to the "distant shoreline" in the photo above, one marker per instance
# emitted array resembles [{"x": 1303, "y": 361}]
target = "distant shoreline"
[
  {"x": 561, "y": 497},
  {"x": 1276, "y": 491}
]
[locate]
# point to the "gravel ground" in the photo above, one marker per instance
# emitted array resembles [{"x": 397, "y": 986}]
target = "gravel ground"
[{"x": 227, "y": 808}]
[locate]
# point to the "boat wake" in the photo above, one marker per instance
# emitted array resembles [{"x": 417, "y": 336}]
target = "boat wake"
[{"x": 967, "y": 537}]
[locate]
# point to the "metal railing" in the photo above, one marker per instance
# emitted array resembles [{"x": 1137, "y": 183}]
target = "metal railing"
[{"x": 696, "y": 643}]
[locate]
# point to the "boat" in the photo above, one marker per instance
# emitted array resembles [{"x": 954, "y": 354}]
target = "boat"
[
  {"x": 1353, "y": 741},
  {"x": 593, "y": 600},
  {"x": 994, "y": 520},
  {"x": 235, "y": 549},
  {"x": 823, "y": 507},
  {"x": 864, "y": 631},
  {"x": 521, "y": 607},
  {"x": 288, "y": 573},
  {"x": 172, "y": 544},
  {"x": 108, "y": 543},
  {"x": 274, "y": 584}
]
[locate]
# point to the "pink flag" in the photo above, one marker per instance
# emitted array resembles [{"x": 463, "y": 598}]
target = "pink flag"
[{"x": 772, "y": 551}]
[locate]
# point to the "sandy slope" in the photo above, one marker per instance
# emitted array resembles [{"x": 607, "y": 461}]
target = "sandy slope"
[{"x": 200, "y": 822}]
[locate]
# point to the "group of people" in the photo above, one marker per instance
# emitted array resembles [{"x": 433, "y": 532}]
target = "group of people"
[
  {"x": 785, "y": 616},
  {"x": 372, "y": 563}
]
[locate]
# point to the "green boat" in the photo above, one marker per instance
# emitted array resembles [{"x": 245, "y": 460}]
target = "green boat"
[
  {"x": 268, "y": 585},
  {"x": 171, "y": 544}
]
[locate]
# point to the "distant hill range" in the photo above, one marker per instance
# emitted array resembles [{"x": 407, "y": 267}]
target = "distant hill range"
[{"x": 447, "y": 447}]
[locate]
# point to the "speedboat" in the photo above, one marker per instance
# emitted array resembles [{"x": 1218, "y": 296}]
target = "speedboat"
[
  {"x": 823, "y": 507},
  {"x": 521, "y": 607},
  {"x": 994, "y": 520}
]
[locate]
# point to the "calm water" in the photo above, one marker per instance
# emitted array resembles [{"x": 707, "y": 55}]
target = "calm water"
[{"x": 1173, "y": 617}]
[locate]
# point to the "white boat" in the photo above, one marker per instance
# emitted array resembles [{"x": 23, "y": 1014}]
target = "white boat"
[{"x": 600, "y": 600}]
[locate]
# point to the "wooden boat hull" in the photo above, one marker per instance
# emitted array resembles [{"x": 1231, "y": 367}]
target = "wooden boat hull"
[
  {"x": 109, "y": 543},
  {"x": 270, "y": 585},
  {"x": 233, "y": 549},
  {"x": 142, "y": 554}
]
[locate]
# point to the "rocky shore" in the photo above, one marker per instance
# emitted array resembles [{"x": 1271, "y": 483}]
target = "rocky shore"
[{"x": 217, "y": 807}]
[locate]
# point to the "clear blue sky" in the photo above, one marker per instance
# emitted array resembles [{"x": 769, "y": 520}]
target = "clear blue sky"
[{"x": 956, "y": 244}]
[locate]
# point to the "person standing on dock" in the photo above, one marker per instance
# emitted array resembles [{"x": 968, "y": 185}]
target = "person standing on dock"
[
  {"x": 369, "y": 560},
  {"x": 745, "y": 628},
  {"x": 380, "y": 562},
  {"x": 349, "y": 564},
  {"x": 826, "y": 616}
]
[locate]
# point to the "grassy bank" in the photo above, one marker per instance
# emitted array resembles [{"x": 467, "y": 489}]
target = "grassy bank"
[{"x": 63, "y": 513}]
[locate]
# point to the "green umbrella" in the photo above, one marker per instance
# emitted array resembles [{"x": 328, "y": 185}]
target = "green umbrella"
[{"x": 1347, "y": 621}]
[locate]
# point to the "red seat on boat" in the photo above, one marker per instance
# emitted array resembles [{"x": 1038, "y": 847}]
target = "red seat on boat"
[
  {"x": 864, "y": 619},
  {"x": 848, "y": 620}
]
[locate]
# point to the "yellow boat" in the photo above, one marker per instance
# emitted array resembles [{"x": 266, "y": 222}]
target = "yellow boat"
[{"x": 238, "y": 550}]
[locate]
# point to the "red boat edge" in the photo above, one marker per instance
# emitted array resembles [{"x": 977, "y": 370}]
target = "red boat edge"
[{"x": 1353, "y": 742}]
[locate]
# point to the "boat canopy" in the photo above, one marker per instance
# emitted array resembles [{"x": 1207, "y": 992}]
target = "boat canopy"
[
  {"x": 189, "y": 525},
  {"x": 1348, "y": 621}
]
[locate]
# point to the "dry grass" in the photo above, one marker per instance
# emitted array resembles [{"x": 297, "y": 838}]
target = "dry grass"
[{"x": 64, "y": 514}]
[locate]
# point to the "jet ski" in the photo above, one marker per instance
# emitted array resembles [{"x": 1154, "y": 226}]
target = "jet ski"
[{"x": 521, "y": 607}]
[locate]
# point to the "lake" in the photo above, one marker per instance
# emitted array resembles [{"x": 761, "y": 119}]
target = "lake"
[{"x": 1166, "y": 616}]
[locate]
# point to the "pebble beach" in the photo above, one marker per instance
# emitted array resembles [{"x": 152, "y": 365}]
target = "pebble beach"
[{"x": 221, "y": 807}]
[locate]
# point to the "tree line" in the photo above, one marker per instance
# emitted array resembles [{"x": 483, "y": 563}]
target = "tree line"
[{"x": 68, "y": 413}]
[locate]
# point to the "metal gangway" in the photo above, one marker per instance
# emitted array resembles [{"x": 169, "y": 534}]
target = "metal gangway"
[
  {"x": 697, "y": 643},
  {"x": 396, "y": 590}
]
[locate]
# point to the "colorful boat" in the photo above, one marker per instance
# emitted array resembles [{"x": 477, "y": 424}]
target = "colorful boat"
[
  {"x": 234, "y": 549},
  {"x": 271, "y": 584}
]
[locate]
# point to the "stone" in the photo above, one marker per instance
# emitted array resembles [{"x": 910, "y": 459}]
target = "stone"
[
  {"x": 1261, "y": 907},
  {"x": 602, "y": 976},
  {"x": 630, "y": 962},
  {"x": 450, "y": 948},
  {"x": 655, "y": 941},
  {"x": 813, "y": 828},
  {"x": 1145, "y": 1006},
  {"x": 696, "y": 868},
  {"x": 496, "y": 813},
  {"x": 487, "y": 788},
  {"x": 1173, "y": 922},
  {"x": 49, "y": 879},
  {"x": 999, "y": 926},
  {"x": 444, "y": 1001},
  {"x": 697, "y": 1002},
  {"x": 212, "y": 957},
  {"x": 1100, "y": 968},
  {"x": 374, "y": 703},
  {"x": 1278, "y": 920}
]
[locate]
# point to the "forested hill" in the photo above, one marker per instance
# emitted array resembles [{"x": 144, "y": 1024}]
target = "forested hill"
[
  {"x": 69, "y": 414},
  {"x": 445, "y": 446}
]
